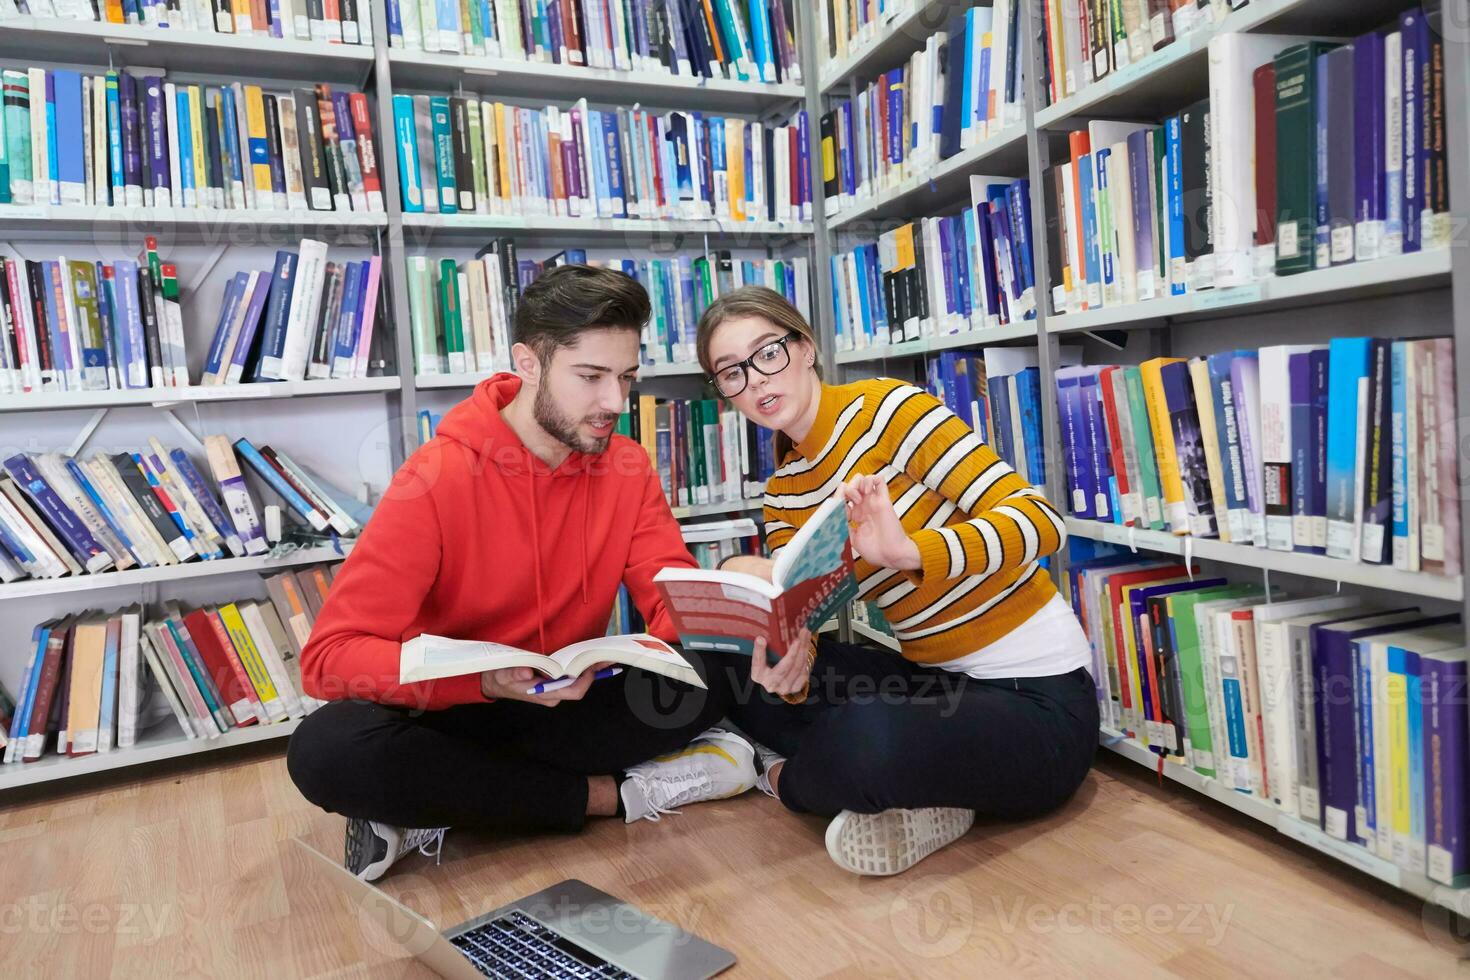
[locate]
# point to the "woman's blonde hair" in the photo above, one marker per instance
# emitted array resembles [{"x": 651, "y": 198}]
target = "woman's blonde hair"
[{"x": 756, "y": 301}]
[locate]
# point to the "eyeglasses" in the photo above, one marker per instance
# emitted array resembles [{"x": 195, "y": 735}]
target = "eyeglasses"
[{"x": 771, "y": 359}]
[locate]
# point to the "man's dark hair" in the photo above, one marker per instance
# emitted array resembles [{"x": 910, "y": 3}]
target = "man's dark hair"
[{"x": 569, "y": 299}]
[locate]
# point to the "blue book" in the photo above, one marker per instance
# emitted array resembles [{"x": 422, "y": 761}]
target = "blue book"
[
  {"x": 115, "y": 138},
  {"x": 85, "y": 484},
  {"x": 613, "y": 147},
  {"x": 197, "y": 485},
  {"x": 395, "y": 20},
  {"x": 875, "y": 290},
  {"x": 849, "y": 141},
  {"x": 233, "y": 153},
  {"x": 971, "y": 37},
  {"x": 960, "y": 258},
  {"x": 1028, "y": 391},
  {"x": 1317, "y": 477},
  {"x": 865, "y": 307},
  {"x": 760, "y": 40},
  {"x": 107, "y": 712},
  {"x": 950, "y": 111},
  {"x": 234, "y": 295},
  {"x": 1415, "y": 689},
  {"x": 53, "y": 164},
  {"x": 273, "y": 479},
  {"x": 234, "y": 369},
  {"x": 134, "y": 367},
  {"x": 107, "y": 321},
  {"x": 185, "y": 140},
  {"x": 1091, "y": 260},
  {"x": 1019, "y": 196},
  {"x": 1299, "y": 377},
  {"x": 190, "y": 538},
  {"x": 20, "y": 724},
  {"x": 69, "y": 135},
  {"x": 408, "y": 155},
  {"x": 1347, "y": 374},
  {"x": 1076, "y": 453},
  {"x": 1001, "y": 408},
  {"x": 1370, "y": 151},
  {"x": 1099, "y": 457},
  {"x": 600, "y": 177},
  {"x": 1227, "y": 436},
  {"x": 68, "y": 527},
  {"x": 1336, "y": 165},
  {"x": 60, "y": 347},
  {"x": 1415, "y": 30},
  {"x": 350, "y": 319},
  {"x": 443, "y": 137},
  {"x": 1177, "y": 283}
]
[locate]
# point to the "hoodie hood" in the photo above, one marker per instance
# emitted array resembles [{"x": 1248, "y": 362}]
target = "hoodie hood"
[{"x": 476, "y": 424}]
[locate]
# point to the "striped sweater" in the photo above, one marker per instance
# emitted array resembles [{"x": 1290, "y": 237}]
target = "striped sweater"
[{"x": 979, "y": 527}]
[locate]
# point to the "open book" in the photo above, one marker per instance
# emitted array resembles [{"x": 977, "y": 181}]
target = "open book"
[
  {"x": 726, "y": 611},
  {"x": 427, "y": 657}
]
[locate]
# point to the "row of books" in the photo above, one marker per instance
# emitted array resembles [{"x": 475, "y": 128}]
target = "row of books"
[
  {"x": 704, "y": 451},
  {"x": 1346, "y": 449},
  {"x": 941, "y": 275},
  {"x": 462, "y": 314},
  {"x": 304, "y": 318},
  {"x": 711, "y": 542},
  {"x": 60, "y": 515},
  {"x": 1305, "y": 155},
  {"x": 460, "y": 154},
  {"x": 951, "y": 94},
  {"x": 754, "y": 41},
  {"x": 1088, "y": 40},
  {"x": 330, "y": 21},
  {"x": 999, "y": 394},
  {"x": 68, "y": 325},
  {"x": 217, "y": 668},
  {"x": 121, "y": 139},
  {"x": 1344, "y": 715}
]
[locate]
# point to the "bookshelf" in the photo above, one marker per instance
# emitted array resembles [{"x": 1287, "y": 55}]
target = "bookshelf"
[
  {"x": 370, "y": 424},
  {"x": 1413, "y": 295}
]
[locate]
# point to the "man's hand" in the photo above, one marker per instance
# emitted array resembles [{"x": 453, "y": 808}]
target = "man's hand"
[
  {"x": 877, "y": 533},
  {"x": 512, "y": 683},
  {"x": 790, "y": 675}
]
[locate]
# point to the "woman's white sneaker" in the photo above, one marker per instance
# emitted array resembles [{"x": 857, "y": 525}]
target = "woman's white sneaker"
[{"x": 893, "y": 841}]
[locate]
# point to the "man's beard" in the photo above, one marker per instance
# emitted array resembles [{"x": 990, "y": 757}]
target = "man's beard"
[{"x": 561, "y": 428}]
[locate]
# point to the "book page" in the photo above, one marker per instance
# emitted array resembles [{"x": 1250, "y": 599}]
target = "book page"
[
  {"x": 428, "y": 657},
  {"x": 816, "y": 549}
]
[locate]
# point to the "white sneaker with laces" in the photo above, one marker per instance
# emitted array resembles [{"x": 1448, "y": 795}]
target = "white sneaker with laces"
[
  {"x": 893, "y": 841},
  {"x": 716, "y": 765},
  {"x": 373, "y": 847},
  {"x": 766, "y": 759}
]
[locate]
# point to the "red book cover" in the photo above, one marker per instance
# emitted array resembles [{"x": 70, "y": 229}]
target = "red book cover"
[
  {"x": 46, "y": 692},
  {"x": 1263, "y": 84},
  {"x": 1079, "y": 144},
  {"x": 658, "y": 158},
  {"x": 228, "y": 673},
  {"x": 1115, "y": 435},
  {"x": 367, "y": 150}
]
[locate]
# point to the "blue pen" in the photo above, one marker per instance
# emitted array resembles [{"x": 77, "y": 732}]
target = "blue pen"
[{"x": 546, "y": 687}]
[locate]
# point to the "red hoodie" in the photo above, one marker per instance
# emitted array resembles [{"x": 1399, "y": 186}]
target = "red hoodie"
[{"x": 478, "y": 539}]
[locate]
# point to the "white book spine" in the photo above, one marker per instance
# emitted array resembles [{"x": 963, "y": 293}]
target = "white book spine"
[{"x": 306, "y": 300}]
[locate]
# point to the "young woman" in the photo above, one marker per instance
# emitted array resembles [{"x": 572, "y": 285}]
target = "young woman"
[{"x": 990, "y": 708}]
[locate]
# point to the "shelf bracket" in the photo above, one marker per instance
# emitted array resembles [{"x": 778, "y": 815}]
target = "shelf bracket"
[
  {"x": 1094, "y": 335},
  {"x": 82, "y": 437},
  {"x": 189, "y": 437},
  {"x": 204, "y": 270}
]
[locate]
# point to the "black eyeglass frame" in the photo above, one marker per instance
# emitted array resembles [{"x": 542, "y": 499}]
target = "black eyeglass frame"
[{"x": 749, "y": 363}]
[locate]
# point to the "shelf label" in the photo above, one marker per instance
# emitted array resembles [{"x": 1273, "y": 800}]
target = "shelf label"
[{"x": 1229, "y": 296}]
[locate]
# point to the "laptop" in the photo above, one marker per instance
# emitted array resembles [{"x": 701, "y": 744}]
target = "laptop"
[{"x": 568, "y": 930}]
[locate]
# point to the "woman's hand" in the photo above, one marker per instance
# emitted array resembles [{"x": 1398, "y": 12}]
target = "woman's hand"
[
  {"x": 749, "y": 565},
  {"x": 876, "y": 532},
  {"x": 790, "y": 675}
]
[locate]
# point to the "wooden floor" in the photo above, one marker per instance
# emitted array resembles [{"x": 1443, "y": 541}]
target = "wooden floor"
[{"x": 189, "y": 872}]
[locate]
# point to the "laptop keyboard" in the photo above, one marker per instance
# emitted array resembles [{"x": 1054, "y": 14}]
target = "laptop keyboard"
[{"x": 516, "y": 945}]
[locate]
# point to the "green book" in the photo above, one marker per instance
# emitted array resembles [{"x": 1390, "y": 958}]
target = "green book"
[
  {"x": 82, "y": 281},
  {"x": 1153, "y": 497},
  {"x": 1296, "y": 156},
  {"x": 443, "y": 135},
  {"x": 1160, "y": 143},
  {"x": 449, "y": 313},
  {"x": 17, "y": 111},
  {"x": 421, "y": 317},
  {"x": 477, "y": 149},
  {"x": 1185, "y": 634}
]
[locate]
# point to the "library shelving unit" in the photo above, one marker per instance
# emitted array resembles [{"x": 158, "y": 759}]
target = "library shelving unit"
[
  {"x": 372, "y": 421},
  {"x": 1420, "y": 294}
]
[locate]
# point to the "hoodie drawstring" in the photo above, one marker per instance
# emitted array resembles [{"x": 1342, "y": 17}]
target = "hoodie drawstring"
[
  {"x": 586, "y": 492},
  {"x": 536, "y": 550}
]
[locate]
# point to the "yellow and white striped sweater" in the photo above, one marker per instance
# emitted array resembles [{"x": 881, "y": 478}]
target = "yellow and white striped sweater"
[{"x": 979, "y": 527}]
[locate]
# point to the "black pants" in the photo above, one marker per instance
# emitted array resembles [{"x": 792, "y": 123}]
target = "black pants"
[
  {"x": 507, "y": 765},
  {"x": 878, "y": 732}
]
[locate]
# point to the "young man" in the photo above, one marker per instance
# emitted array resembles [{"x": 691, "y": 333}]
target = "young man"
[{"x": 516, "y": 524}]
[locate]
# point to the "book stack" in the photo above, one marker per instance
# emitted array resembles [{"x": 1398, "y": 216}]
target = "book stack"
[
  {"x": 1345, "y": 716},
  {"x": 960, "y": 88},
  {"x": 71, "y": 325},
  {"x": 304, "y": 318},
  {"x": 691, "y": 38},
  {"x": 941, "y": 275},
  {"x": 999, "y": 395},
  {"x": 468, "y": 327},
  {"x": 218, "y": 668},
  {"x": 1346, "y": 449},
  {"x": 463, "y": 155},
  {"x": 60, "y": 515},
  {"x": 129, "y": 140},
  {"x": 1089, "y": 40},
  {"x": 1305, "y": 155},
  {"x": 711, "y": 542},
  {"x": 704, "y": 451},
  {"x": 331, "y": 21}
]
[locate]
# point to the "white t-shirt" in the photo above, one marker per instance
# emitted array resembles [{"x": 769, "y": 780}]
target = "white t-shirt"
[{"x": 1050, "y": 642}]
